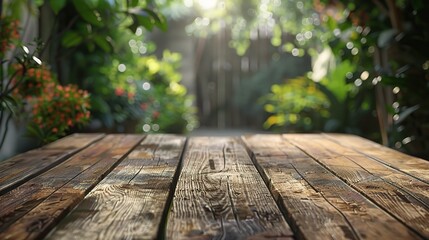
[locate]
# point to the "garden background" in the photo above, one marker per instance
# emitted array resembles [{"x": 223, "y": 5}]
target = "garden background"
[{"x": 179, "y": 65}]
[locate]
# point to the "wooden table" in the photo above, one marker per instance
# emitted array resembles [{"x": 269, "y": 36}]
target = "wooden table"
[{"x": 293, "y": 186}]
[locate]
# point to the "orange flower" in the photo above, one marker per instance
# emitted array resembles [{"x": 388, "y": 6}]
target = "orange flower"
[{"x": 119, "y": 91}]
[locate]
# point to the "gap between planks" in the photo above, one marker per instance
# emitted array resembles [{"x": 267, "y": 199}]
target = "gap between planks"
[
  {"x": 36, "y": 206},
  {"x": 162, "y": 229},
  {"x": 394, "y": 200},
  {"x": 273, "y": 158},
  {"x": 220, "y": 194},
  {"x": 132, "y": 201}
]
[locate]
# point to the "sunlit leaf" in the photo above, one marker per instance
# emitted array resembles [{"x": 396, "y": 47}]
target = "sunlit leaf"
[
  {"x": 276, "y": 39},
  {"x": 288, "y": 47},
  {"x": 269, "y": 108},
  {"x": 336, "y": 81},
  {"x": 38, "y": 3},
  {"x": 274, "y": 120}
]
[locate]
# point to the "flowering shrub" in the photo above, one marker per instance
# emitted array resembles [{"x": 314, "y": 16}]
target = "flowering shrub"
[
  {"x": 57, "y": 110},
  {"x": 8, "y": 34},
  {"x": 51, "y": 108},
  {"x": 35, "y": 81},
  {"x": 28, "y": 89},
  {"x": 54, "y": 108},
  {"x": 158, "y": 100}
]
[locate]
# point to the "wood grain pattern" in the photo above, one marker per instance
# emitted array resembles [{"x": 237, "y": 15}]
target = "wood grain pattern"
[
  {"x": 129, "y": 202},
  {"x": 414, "y": 186},
  {"x": 319, "y": 204},
  {"x": 33, "y": 208},
  {"x": 22, "y": 167},
  {"x": 415, "y": 167},
  {"x": 326, "y": 186},
  {"x": 220, "y": 195},
  {"x": 398, "y": 202}
]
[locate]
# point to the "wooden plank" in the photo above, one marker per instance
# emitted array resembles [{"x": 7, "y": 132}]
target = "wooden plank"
[
  {"x": 398, "y": 202},
  {"x": 33, "y": 208},
  {"x": 129, "y": 202},
  {"x": 22, "y": 167},
  {"x": 416, "y": 167},
  {"x": 220, "y": 194},
  {"x": 333, "y": 210},
  {"x": 414, "y": 186}
]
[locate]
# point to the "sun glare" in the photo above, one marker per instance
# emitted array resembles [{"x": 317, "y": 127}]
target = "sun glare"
[{"x": 207, "y": 4}]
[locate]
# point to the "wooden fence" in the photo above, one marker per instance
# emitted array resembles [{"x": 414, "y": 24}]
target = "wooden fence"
[{"x": 219, "y": 75}]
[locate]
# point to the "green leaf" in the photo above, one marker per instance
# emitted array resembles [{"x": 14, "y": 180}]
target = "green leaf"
[
  {"x": 132, "y": 3},
  {"x": 71, "y": 39},
  {"x": 145, "y": 22},
  {"x": 87, "y": 13},
  {"x": 159, "y": 19},
  {"x": 38, "y": 3},
  {"x": 57, "y": 5},
  {"x": 336, "y": 82},
  {"x": 103, "y": 43},
  {"x": 331, "y": 23},
  {"x": 10, "y": 103},
  {"x": 147, "y": 18}
]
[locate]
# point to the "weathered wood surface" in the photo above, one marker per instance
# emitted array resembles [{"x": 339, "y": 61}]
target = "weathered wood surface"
[
  {"x": 388, "y": 172},
  {"x": 122, "y": 186},
  {"x": 415, "y": 167},
  {"x": 33, "y": 208},
  {"x": 24, "y": 166},
  {"x": 129, "y": 203},
  {"x": 366, "y": 176},
  {"x": 319, "y": 204},
  {"x": 220, "y": 195}
]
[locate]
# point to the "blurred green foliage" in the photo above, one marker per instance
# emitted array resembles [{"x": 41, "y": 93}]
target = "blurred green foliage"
[
  {"x": 259, "y": 84},
  {"x": 104, "y": 49},
  {"x": 376, "y": 75},
  {"x": 101, "y": 46},
  {"x": 296, "y": 105}
]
